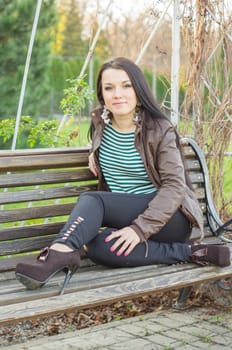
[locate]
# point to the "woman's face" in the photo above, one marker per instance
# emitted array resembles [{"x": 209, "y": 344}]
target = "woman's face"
[{"x": 118, "y": 93}]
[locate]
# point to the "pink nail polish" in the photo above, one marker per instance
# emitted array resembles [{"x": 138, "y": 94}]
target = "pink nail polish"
[
  {"x": 111, "y": 249},
  {"x": 125, "y": 254},
  {"x": 118, "y": 254}
]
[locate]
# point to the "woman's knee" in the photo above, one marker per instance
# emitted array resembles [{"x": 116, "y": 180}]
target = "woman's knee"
[{"x": 98, "y": 249}]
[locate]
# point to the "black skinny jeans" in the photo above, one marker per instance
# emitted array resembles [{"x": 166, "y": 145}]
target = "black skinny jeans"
[{"x": 115, "y": 211}]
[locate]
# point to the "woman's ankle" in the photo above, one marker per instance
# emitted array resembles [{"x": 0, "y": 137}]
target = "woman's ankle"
[{"x": 60, "y": 247}]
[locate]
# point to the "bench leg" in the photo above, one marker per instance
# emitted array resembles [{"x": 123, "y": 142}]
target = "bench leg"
[{"x": 184, "y": 293}]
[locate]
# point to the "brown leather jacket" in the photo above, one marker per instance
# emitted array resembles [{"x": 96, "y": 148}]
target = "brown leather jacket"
[{"x": 156, "y": 143}]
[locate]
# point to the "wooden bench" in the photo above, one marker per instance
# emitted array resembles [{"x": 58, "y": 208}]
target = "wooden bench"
[{"x": 38, "y": 189}]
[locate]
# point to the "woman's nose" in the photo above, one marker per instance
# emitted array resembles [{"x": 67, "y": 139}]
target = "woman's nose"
[{"x": 117, "y": 92}]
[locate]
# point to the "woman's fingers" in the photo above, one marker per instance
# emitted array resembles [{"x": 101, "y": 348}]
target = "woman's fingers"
[
  {"x": 126, "y": 240},
  {"x": 130, "y": 248}
]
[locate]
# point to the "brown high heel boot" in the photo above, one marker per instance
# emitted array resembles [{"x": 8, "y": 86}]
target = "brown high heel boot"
[
  {"x": 49, "y": 263},
  {"x": 216, "y": 254}
]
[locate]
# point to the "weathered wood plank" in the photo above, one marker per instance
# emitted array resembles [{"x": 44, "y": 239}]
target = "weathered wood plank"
[
  {"x": 188, "y": 151},
  {"x": 9, "y": 263},
  {"x": 196, "y": 177},
  {"x": 42, "y": 161},
  {"x": 203, "y": 207},
  {"x": 44, "y": 151},
  {"x": 30, "y": 231},
  {"x": 200, "y": 192},
  {"x": 192, "y": 164},
  {"x": 43, "y": 178},
  {"x": 25, "y": 245},
  {"x": 36, "y": 212},
  {"x": 44, "y": 193}
]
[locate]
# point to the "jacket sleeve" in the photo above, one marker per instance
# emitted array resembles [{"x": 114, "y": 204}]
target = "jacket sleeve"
[{"x": 171, "y": 189}]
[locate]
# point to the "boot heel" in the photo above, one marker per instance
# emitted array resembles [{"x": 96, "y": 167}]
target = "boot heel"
[{"x": 68, "y": 277}]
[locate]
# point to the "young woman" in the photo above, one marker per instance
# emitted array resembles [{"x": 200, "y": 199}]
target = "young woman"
[{"x": 145, "y": 201}]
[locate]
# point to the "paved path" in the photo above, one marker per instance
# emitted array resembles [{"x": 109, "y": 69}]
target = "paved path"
[{"x": 199, "y": 328}]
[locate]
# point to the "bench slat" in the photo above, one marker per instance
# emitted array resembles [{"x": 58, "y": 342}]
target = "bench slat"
[
  {"x": 200, "y": 192},
  {"x": 30, "y": 231},
  {"x": 31, "y": 162},
  {"x": 36, "y": 212},
  {"x": 188, "y": 151},
  {"x": 196, "y": 177},
  {"x": 42, "y": 178},
  {"x": 45, "y": 151},
  {"x": 23, "y": 246},
  {"x": 192, "y": 164},
  {"x": 44, "y": 194}
]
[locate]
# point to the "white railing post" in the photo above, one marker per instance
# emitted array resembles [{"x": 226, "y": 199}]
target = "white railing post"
[
  {"x": 25, "y": 74},
  {"x": 175, "y": 63}
]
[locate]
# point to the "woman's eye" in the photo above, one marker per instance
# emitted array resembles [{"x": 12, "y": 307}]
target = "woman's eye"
[{"x": 126, "y": 86}]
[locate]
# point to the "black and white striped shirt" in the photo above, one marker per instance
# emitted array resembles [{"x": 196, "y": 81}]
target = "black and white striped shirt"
[{"x": 121, "y": 163}]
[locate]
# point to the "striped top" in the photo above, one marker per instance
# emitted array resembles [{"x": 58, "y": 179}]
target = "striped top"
[{"x": 121, "y": 163}]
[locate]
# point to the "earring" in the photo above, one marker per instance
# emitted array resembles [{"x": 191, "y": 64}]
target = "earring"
[
  {"x": 137, "y": 114},
  {"x": 105, "y": 115}
]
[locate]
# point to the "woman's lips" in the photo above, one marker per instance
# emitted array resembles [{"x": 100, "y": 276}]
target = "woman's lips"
[{"x": 119, "y": 103}]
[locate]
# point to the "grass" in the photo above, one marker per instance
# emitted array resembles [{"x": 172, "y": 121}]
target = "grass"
[{"x": 228, "y": 177}]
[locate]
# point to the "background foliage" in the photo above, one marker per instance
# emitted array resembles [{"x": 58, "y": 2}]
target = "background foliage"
[{"x": 16, "y": 19}]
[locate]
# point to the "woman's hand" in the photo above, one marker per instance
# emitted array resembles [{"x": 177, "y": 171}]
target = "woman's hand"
[
  {"x": 92, "y": 165},
  {"x": 127, "y": 239}
]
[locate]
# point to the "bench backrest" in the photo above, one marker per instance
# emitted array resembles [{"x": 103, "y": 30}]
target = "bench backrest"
[{"x": 38, "y": 189}]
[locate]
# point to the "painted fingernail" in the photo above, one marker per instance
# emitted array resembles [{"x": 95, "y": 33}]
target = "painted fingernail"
[
  {"x": 106, "y": 239},
  {"x": 125, "y": 254},
  {"x": 118, "y": 254},
  {"x": 111, "y": 249}
]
